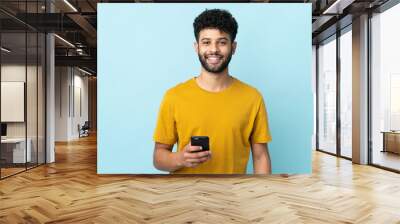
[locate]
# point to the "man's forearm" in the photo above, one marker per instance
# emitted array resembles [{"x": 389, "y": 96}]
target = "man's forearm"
[
  {"x": 262, "y": 164},
  {"x": 166, "y": 160}
]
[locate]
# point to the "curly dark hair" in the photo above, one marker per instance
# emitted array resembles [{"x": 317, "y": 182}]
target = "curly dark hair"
[{"x": 216, "y": 18}]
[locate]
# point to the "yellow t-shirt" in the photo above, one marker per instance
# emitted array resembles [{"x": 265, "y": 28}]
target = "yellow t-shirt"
[{"x": 233, "y": 119}]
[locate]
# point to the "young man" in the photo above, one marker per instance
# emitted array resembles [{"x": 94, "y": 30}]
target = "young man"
[{"x": 214, "y": 104}]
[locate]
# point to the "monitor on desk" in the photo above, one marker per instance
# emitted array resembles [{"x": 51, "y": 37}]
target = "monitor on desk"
[{"x": 3, "y": 130}]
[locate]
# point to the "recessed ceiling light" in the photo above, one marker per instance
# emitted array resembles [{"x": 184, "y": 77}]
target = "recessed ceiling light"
[
  {"x": 70, "y": 5},
  {"x": 338, "y": 6},
  {"x": 64, "y": 40},
  {"x": 5, "y": 50},
  {"x": 84, "y": 71}
]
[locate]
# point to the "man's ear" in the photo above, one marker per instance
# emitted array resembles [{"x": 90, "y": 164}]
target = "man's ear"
[
  {"x": 195, "y": 46},
  {"x": 234, "y": 45}
]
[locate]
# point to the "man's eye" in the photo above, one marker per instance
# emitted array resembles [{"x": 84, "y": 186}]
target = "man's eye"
[
  {"x": 206, "y": 43},
  {"x": 222, "y": 43}
]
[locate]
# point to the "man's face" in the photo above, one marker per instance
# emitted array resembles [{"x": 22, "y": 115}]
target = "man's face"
[{"x": 215, "y": 50}]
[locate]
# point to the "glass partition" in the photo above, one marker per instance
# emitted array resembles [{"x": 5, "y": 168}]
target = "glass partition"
[
  {"x": 327, "y": 96},
  {"x": 385, "y": 89},
  {"x": 13, "y": 105},
  {"x": 346, "y": 93},
  {"x": 22, "y": 77}
]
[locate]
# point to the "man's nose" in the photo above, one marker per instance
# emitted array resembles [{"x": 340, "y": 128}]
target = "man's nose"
[{"x": 214, "y": 48}]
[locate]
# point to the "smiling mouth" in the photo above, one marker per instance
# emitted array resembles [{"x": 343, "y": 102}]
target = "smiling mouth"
[{"x": 214, "y": 59}]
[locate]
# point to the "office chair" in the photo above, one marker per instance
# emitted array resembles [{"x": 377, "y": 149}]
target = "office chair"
[{"x": 84, "y": 130}]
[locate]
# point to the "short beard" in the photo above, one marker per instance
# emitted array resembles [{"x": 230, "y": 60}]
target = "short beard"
[{"x": 218, "y": 69}]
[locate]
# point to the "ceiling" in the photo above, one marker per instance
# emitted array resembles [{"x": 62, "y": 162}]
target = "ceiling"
[{"x": 76, "y": 22}]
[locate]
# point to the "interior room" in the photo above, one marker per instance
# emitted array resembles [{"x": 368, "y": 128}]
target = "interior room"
[{"x": 49, "y": 135}]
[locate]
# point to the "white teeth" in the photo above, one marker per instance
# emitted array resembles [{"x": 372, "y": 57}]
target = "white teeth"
[
  {"x": 213, "y": 60},
  {"x": 217, "y": 57}
]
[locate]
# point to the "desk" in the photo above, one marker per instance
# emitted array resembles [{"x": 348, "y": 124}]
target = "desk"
[
  {"x": 13, "y": 150},
  {"x": 391, "y": 141}
]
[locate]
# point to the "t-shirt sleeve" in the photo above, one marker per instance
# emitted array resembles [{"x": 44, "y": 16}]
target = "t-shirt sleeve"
[
  {"x": 261, "y": 133},
  {"x": 165, "y": 131}
]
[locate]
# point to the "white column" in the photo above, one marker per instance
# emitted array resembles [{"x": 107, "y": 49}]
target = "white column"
[
  {"x": 50, "y": 92},
  {"x": 360, "y": 90},
  {"x": 50, "y": 110},
  {"x": 314, "y": 91}
]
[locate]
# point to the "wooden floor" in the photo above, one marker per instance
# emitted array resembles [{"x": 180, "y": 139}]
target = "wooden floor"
[
  {"x": 5, "y": 172},
  {"x": 387, "y": 159},
  {"x": 70, "y": 191}
]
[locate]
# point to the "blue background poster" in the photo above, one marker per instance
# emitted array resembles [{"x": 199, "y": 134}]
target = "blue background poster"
[{"x": 145, "y": 49}]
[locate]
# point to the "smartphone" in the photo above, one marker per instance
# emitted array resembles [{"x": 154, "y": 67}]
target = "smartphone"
[{"x": 202, "y": 141}]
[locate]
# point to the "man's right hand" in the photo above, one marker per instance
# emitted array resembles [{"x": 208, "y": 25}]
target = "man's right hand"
[{"x": 192, "y": 156}]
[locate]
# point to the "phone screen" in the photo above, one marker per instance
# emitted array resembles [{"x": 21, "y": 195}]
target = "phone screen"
[{"x": 202, "y": 141}]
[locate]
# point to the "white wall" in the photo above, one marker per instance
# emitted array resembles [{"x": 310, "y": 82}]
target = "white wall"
[
  {"x": 71, "y": 94},
  {"x": 33, "y": 127},
  {"x": 81, "y": 103},
  {"x": 15, "y": 72},
  {"x": 62, "y": 81},
  {"x": 9, "y": 73}
]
